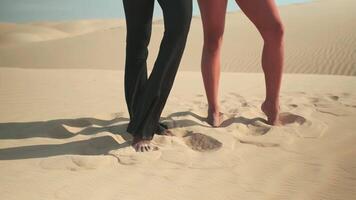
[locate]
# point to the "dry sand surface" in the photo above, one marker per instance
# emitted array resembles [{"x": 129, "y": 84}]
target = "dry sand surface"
[{"x": 63, "y": 115}]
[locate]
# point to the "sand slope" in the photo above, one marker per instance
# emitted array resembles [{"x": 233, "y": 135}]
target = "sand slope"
[
  {"x": 316, "y": 40},
  {"x": 17, "y": 34}
]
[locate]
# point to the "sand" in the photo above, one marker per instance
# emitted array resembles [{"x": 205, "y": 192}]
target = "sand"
[
  {"x": 63, "y": 115},
  {"x": 319, "y": 40}
]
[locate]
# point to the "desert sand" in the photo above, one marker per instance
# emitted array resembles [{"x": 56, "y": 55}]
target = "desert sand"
[{"x": 63, "y": 116}]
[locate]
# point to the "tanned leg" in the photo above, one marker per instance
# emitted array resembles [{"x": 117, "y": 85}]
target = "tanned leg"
[
  {"x": 265, "y": 16},
  {"x": 213, "y": 17}
]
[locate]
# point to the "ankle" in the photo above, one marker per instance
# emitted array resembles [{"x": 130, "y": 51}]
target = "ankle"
[
  {"x": 270, "y": 107},
  {"x": 214, "y": 111},
  {"x": 272, "y": 103}
]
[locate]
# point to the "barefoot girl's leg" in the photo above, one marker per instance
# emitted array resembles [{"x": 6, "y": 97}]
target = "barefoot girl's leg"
[
  {"x": 213, "y": 17},
  {"x": 265, "y": 16}
]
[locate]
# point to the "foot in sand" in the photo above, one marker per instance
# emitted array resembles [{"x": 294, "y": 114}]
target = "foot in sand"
[
  {"x": 272, "y": 112},
  {"x": 215, "y": 118},
  {"x": 163, "y": 129},
  {"x": 141, "y": 145}
]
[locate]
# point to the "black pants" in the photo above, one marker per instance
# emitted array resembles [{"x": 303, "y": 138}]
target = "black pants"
[{"x": 146, "y": 97}]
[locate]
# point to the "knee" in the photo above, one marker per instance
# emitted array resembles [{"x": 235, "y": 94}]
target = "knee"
[
  {"x": 273, "y": 33},
  {"x": 213, "y": 41},
  {"x": 183, "y": 26},
  {"x": 137, "y": 43},
  {"x": 138, "y": 40}
]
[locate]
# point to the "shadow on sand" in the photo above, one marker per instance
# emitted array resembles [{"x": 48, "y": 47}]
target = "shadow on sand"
[{"x": 100, "y": 145}]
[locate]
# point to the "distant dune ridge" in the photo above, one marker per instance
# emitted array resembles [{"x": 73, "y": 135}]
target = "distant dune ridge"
[
  {"x": 16, "y": 34},
  {"x": 63, "y": 115},
  {"x": 314, "y": 42}
]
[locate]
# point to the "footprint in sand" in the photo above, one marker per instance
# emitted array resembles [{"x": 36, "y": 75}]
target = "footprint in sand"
[
  {"x": 85, "y": 154},
  {"x": 259, "y": 144},
  {"x": 338, "y": 112},
  {"x": 202, "y": 143},
  {"x": 312, "y": 128},
  {"x": 332, "y": 108},
  {"x": 78, "y": 162},
  {"x": 258, "y": 128},
  {"x": 347, "y": 100},
  {"x": 333, "y": 104},
  {"x": 128, "y": 156},
  {"x": 290, "y": 118},
  {"x": 334, "y": 97}
]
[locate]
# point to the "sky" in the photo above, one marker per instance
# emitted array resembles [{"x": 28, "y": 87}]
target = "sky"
[{"x": 63, "y": 10}]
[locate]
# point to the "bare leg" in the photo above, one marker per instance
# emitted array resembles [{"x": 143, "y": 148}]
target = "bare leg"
[
  {"x": 213, "y": 16},
  {"x": 265, "y": 16}
]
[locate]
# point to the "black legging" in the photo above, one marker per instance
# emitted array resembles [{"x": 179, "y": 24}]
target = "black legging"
[{"x": 146, "y": 97}]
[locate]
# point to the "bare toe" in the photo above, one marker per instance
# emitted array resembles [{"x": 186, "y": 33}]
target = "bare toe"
[
  {"x": 144, "y": 146},
  {"x": 168, "y": 132}
]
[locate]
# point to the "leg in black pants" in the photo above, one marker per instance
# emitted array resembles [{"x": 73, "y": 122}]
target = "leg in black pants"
[{"x": 146, "y": 97}]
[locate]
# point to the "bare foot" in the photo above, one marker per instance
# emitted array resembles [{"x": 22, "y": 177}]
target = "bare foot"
[
  {"x": 163, "y": 129},
  {"x": 215, "y": 119},
  {"x": 272, "y": 113},
  {"x": 141, "y": 145}
]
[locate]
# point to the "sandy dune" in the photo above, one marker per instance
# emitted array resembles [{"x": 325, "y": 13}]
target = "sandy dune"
[
  {"x": 17, "y": 34},
  {"x": 63, "y": 116},
  {"x": 316, "y": 41}
]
